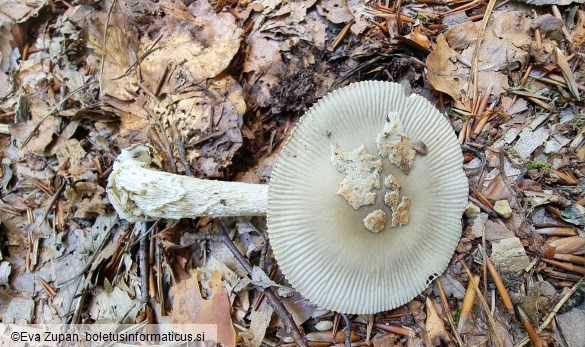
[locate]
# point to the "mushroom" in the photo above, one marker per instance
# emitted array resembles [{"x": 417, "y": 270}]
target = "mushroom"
[
  {"x": 139, "y": 192},
  {"x": 319, "y": 239},
  {"x": 352, "y": 231}
]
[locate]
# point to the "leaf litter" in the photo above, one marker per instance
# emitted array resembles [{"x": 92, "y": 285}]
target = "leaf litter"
[{"x": 218, "y": 87}]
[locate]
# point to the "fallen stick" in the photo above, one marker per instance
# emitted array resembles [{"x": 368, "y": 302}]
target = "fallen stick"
[{"x": 139, "y": 192}]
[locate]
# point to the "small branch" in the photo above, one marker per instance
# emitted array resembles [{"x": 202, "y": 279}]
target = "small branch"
[
  {"x": 448, "y": 312},
  {"x": 53, "y": 110},
  {"x": 347, "y": 330},
  {"x": 274, "y": 301},
  {"x": 143, "y": 259},
  {"x": 180, "y": 146}
]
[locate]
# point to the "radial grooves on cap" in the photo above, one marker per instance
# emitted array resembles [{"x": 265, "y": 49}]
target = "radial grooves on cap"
[{"x": 313, "y": 232}]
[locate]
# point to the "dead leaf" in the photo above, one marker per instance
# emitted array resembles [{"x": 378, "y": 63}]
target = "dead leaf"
[
  {"x": 336, "y": 11},
  {"x": 499, "y": 190},
  {"x": 43, "y": 136},
  {"x": 504, "y": 46},
  {"x": 259, "y": 321},
  {"x": 569, "y": 245},
  {"x": 19, "y": 11},
  {"x": 551, "y": 2},
  {"x": 209, "y": 123},
  {"x": 263, "y": 66},
  {"x": 196, "y": 43},
  {"x": 434, "y": 325},
  {"x": 190, "y": 308},
  {"x": 360, "y": 16},
  {"x": 294, "y": 10},
  {"x": 578, "y": 32},
  {"x": 114, "y": 305},
  {"x": 120, "y": 54}
]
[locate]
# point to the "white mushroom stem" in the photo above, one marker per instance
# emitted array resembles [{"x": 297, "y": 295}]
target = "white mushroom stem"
[{"x": 139, "y": 192}]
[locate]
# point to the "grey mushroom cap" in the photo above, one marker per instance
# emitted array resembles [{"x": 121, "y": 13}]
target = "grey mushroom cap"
[{"x": 320, "y": 242}]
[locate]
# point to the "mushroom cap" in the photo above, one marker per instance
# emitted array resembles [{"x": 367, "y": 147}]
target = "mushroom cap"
[{"x": 320, "y": 242}]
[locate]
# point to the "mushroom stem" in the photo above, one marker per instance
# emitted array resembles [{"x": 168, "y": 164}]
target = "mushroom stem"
[{"x": 139, "y": 192}]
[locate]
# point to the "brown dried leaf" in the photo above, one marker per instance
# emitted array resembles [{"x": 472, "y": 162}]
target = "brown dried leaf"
[
  {"x": 196, "y": 44},
  {"x": 43, "y": 136},
  {"x": 262, "y": 66},
  {"x": 190, "y": 308},
  {"x": 120, "y": 54},
  {"x": 578, "y": 32},
  {"x": 505, "y": 45},
  {"x": 336, "y": 11},
  {"x": 210, "y": 147},
  {"x": 114, "y": 306},
  {"x": 360, "y": 16},
  {"x": 569, "y": 245},
  {"x": 499, "y": 190},
  {"x": 259, "y": 321},
  {"x": 434, "y": 325}
]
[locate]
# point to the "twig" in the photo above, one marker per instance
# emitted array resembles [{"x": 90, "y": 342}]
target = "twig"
[
  {"x": 161, "y": 80},
  {"x": 566, "y": 266},
  {"x": 557, "y": 14},
  {"x": 52, "y": 202},
  {"x": 480, "y": 36},
  {"x": 448, "y": 312},
  {"x": 341, "y": 35},
  {"x": 468, "y": 301},
  {"x": 180, "y": 146},
  {"x": 274, "y": 301},
  {"x": 141, "y": 58},
  {"x": 395, "y": 329},
  {"x": 347, "y": 330},
  {"x": 143, "y": 259},
  {"x": 533, "y": 335},
  {"x": 160, "y": 132},
  {"x": 53, "y": 110},
  {"x": 499, "y": 284}
]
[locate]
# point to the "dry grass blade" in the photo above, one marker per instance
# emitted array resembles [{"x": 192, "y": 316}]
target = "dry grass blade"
[
  {"x": 567, "y": 73},
  {"x": 557, "y": 14},
  {"x": 48, "y": 288},
  {"x": 555, "y": 78},
  {"x": 564, "y": 177},
  {"x": 528, "y": 94},
  {"x": 481, "y": 197},
  {"x": 561, "y": 275},
  {"x": 480, "y": 36}
]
